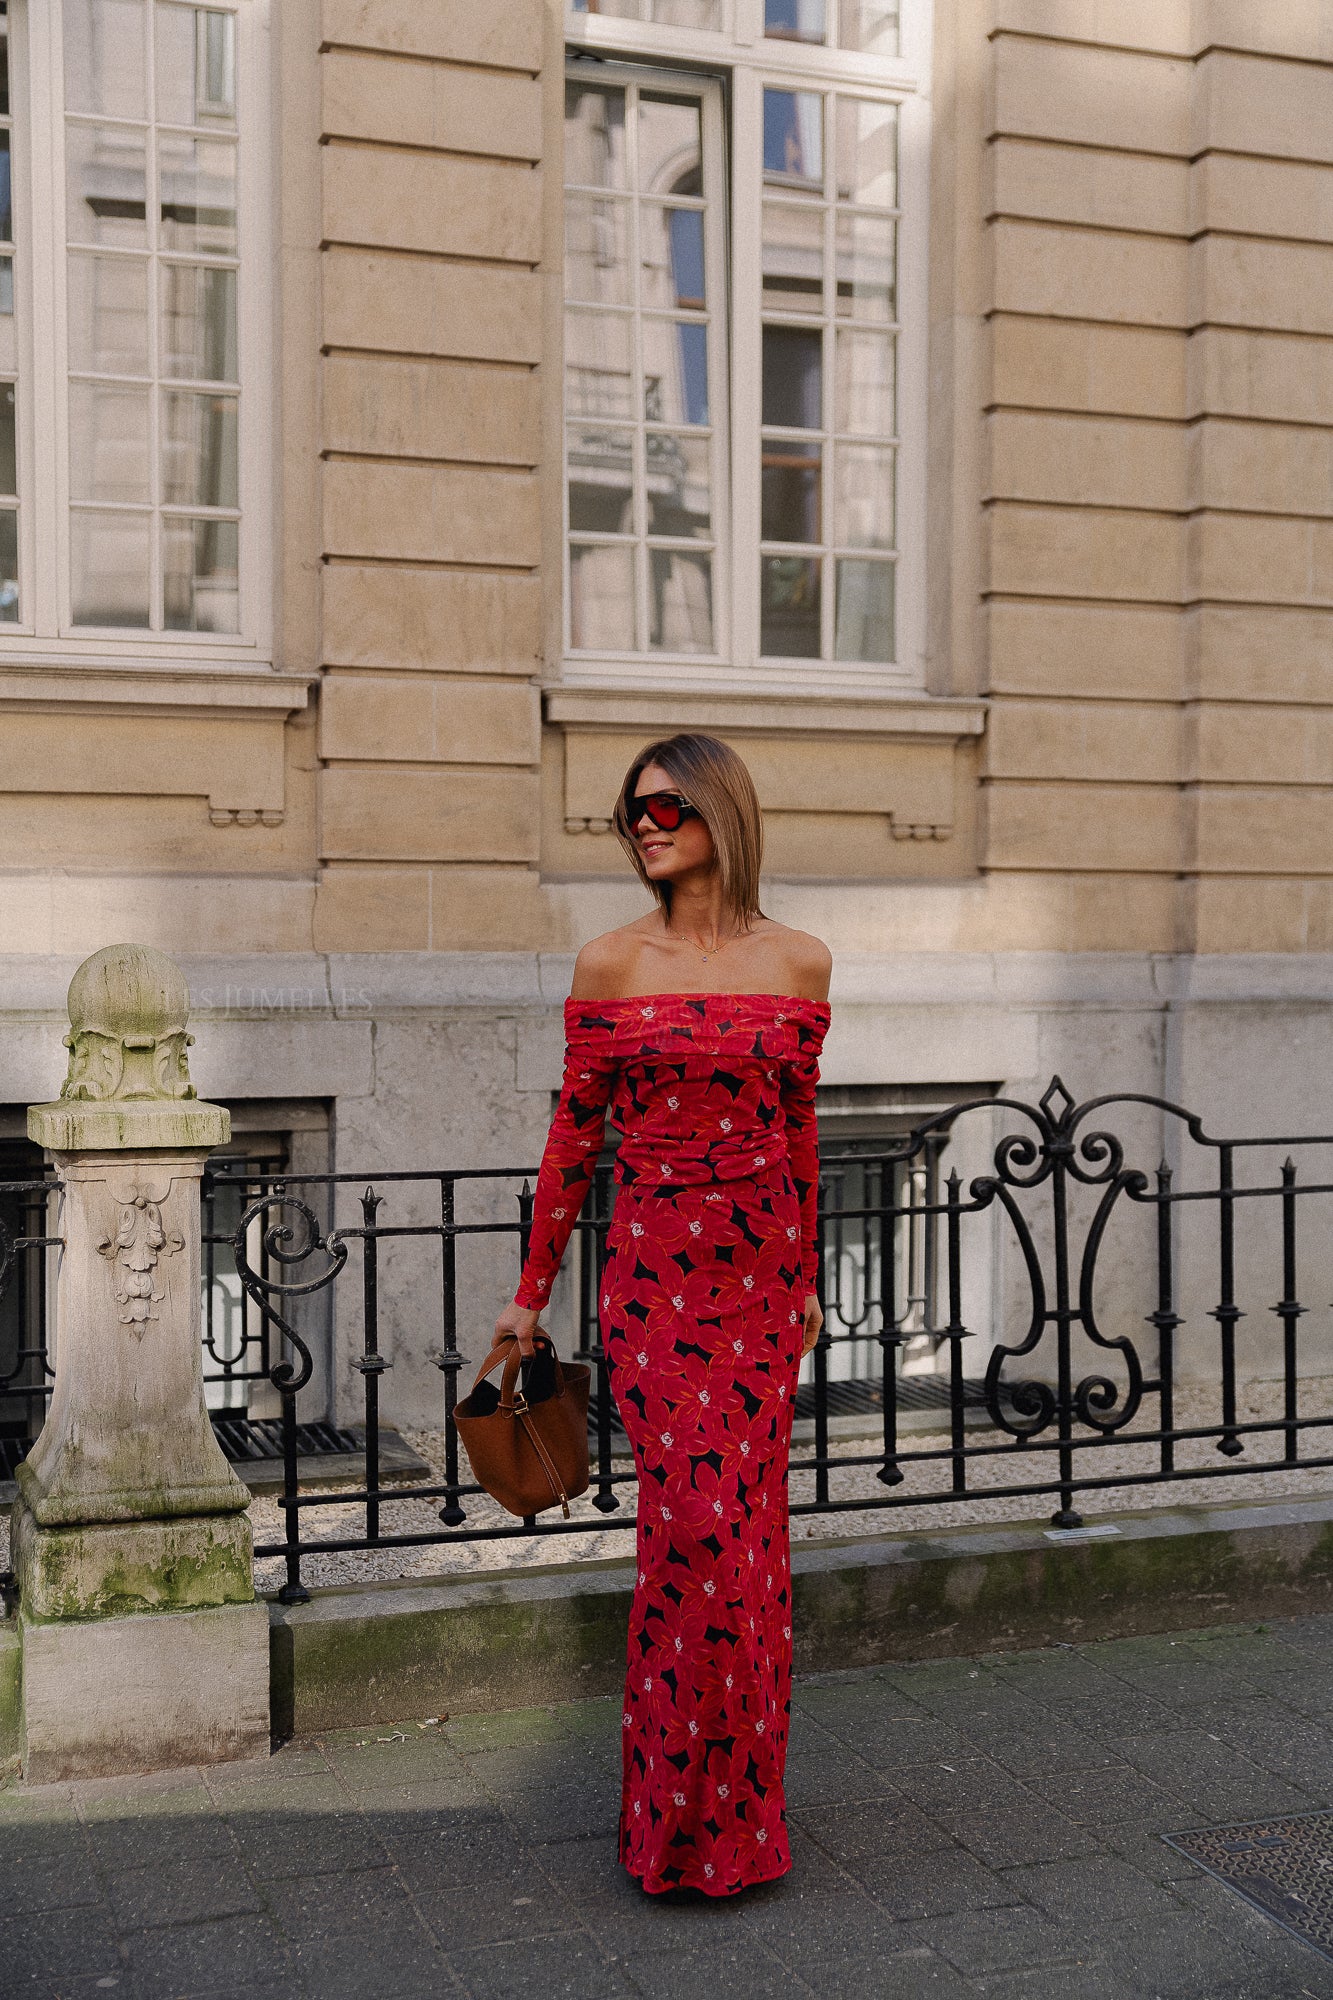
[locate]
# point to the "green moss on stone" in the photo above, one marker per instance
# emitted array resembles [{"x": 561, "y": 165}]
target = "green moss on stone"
[{"x": 11, "y": 1694}]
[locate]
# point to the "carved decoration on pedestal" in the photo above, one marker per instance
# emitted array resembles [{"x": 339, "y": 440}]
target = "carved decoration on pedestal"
[
  {"x": 139, "y": 1239},
  {"x": 128, "y": 1037}
]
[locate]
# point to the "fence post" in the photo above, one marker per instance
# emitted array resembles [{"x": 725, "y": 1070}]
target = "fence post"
[{"x": 142, "y": 1644}]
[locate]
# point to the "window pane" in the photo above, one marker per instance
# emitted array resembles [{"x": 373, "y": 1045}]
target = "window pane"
[
  {"x": 6, "y": 193},
  {"x": 601, "y": 598},
  {"x": 105, "y": 57},
  {"x": 7, "y": 310},
  {"x": 864, "y": 611},
  {"x": 601, "y": 480},
  {"x": 597, "y": 250},
  {"x": 197, "y": 186},
  {"x": 199, "y": 456},
  {"x": 867, "y": 152},
  {"x": 620, "y": 10},
  {"x": 4, "y": 62},
  {"x": 672, "y": 251},
  {"x": 675, "y": 372},
  {"x": 106, "y": 169},
  {"x": 863, "y": 496},
  {"x": 865, "y": 266},
  {"x": 670, "y": 144},
  {"x": 108, "y": 315},
  {"x": 869, "y": 25},
  {"x": 195, "y": 61},
  {"x": 199, "y": 322},
  {"x": 793, "y": 376},
  {"x": 200, "y": 576},
  {"x": 8, "y": 456},
  {"x": 793, "y": 257},
  {"x": 790, "y": 493},
  {"x": 678, "y": 485},
  {"x": 680, "y": 602},
  {"x": 794, "y": 139},
  {"x": 863, "y": 388},
  {"x": 594, "y": 136},
  {"x": 789, "y": 607},
  {"x": 109, "y": 568},
  {"x": 598, "y": 365},
  {"x": 108, "y": 443},
  {"x": 685, "y": 13},
  {"x": 9, "y": 566},
  {"x": 794, "y": 20}
]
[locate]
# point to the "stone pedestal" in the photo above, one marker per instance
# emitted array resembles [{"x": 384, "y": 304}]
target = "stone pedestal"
[{"x": 143, "y": 1645}]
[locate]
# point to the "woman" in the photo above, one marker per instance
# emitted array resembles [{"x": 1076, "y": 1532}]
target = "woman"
[{"x": 701, "y": 1025}]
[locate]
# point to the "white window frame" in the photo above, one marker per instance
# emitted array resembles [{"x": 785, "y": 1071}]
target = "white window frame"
[
  {"x": 740, "y": 53},
  {"x": 46, "y": 634}
]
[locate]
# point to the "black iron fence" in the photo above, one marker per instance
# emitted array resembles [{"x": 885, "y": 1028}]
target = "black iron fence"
[
  {"x": 1023, "y": 1304},
  {"x": 27, "y": 1242}
]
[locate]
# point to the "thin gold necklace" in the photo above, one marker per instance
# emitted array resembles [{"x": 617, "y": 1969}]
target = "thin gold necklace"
[{"x": 713, "y": 950}]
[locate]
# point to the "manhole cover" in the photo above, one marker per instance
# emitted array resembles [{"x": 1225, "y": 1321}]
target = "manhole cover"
[{"x": 1283, "y": 1866}]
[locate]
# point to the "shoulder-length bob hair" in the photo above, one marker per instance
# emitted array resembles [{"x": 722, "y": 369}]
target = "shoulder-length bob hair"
[{"x": 713, "y": 778}]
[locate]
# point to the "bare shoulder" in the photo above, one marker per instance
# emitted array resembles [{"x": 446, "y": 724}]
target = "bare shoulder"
[
  {"x": 807, "y": 960},
  {"x": 605, "y": 965}
]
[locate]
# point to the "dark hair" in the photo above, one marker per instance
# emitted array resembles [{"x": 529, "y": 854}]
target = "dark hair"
[{"x": 715, "y": 780}]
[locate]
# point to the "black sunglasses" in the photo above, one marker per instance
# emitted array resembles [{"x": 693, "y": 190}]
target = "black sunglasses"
[{"x": 666, "y": 810}]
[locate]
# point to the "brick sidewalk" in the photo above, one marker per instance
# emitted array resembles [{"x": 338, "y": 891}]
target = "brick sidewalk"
[{"x": 967, "y": 1828}]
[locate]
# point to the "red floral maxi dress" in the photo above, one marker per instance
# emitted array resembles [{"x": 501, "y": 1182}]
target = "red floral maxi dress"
[{"x": 710, "y": 1255}]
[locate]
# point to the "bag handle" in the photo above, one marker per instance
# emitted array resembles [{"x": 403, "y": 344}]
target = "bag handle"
[{"x": 512, "y": 1357}]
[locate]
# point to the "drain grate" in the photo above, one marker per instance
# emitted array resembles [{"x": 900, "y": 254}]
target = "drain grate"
[{"x": 1283, "y": 1866}]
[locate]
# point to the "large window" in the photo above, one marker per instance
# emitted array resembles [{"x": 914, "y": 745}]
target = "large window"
[
  {"x": 744, "y": 325},
  {"x": 128, "y": 326}
]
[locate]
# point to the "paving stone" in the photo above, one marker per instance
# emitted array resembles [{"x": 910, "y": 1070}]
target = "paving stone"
[
  {"x": 1098, "y": 1889},
  {"x": 508, "y": 1905},
  {"x": 939, "y": 1884},
  {"x": 64, "y": 1945},
  {"x": 745, "y": 1972},
  {"x": 188, "y": 1959},
  {"x": 1212, "y": 1779},
  {"x": 971, "y": 1783},
  {"x": 187, "y": 1891},
  {"x": 1056, "y": 1748},
  {"x": 48, "y": 1880},
  {"x": 158, "y": 1840},
  {"x": 1114, "y": 1797},
  {"x": 278, "y": 1844},
  {"x": 394, "y": 1962},
  {"x": 978, "y": 1941},
  {"x": 1024, "y": 1834},
  {"x": 871, "y": 1830},
  {"x": 572, "y": 1970},
  {"x": 911, "y": 1975},
  {"x": 312, "y": 1907}
]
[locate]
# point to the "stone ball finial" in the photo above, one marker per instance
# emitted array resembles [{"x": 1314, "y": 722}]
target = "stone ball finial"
[{"x": 129, "y": 1009}]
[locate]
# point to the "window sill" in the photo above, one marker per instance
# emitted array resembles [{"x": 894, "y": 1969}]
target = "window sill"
[
  {"x": 770, "y": 711},
  {"x": 38, "y": 680}
]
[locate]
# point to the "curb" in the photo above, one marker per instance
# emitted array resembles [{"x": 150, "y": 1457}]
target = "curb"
[{"x": 514, "y": 1638}]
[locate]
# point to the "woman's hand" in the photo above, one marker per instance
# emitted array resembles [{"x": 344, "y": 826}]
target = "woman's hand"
[
  {"x": 520, "y": 1320},
  {"x": 814, "y": 1320}
]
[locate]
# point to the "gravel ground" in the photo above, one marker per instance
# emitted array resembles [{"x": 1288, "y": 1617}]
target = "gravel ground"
[{"x": 411, "y": 1515}]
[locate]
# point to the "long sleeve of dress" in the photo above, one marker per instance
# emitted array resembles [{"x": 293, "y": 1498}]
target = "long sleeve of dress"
[
  {"x": 799, "y": 1078},
  {"x": 568, "y": 1163}
]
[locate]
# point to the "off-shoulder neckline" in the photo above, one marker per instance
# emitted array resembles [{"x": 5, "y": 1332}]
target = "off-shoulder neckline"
[{"x": 638, "y": 999}]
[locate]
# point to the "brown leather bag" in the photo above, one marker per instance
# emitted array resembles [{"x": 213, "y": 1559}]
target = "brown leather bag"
[{"x": 528, "y": 1455}]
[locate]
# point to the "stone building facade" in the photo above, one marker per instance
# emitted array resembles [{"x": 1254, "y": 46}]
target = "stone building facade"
[{"x": 300, "y": 682}]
